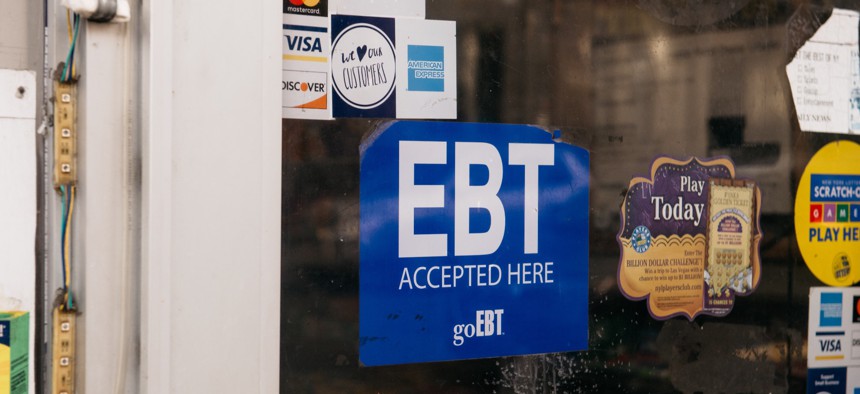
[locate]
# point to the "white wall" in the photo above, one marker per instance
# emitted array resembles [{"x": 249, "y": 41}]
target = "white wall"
[
  {"x": 20, "y": 35},
  {"x": 20, "y": 49},
  {"x": 211, "y": 196},
  {"x": 105, "y": 226},
  {"x": 18, "y": 199}
]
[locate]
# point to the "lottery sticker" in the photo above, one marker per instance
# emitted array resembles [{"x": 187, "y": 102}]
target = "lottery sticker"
[{"x": 827, "y": 214}]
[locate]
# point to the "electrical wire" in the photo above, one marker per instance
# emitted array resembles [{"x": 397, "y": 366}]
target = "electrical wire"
[
  {"x": 77, "y": 19},
  {"x": 67, "y": 193},
  {"x": 62, "y": 236},
  {"x": 67, "y": 241},
  {"x": 74, "y": 23},
  {"x": 69, "y": 24}
]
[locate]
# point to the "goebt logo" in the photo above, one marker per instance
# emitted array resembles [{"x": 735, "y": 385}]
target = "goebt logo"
[
  {"x": 487, "y": 323},
  {"x": 306, "y": 3}
]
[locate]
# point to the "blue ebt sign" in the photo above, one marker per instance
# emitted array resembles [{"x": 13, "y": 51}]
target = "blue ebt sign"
[{"x": 474, "y": 243}]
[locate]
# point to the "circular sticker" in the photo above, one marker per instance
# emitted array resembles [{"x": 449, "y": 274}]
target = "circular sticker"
[
  {"x": 363, "y": 66},
  {"x": 641, "y": 239},
  {"x": 827, "y": 214}
]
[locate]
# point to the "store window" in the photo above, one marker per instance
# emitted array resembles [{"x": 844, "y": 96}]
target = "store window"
[{"x": 629, "y": 81}]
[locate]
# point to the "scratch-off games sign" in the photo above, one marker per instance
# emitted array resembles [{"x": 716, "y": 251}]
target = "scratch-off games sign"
[
  {"x": 827, "y": 214},
  {"x": 690, "y": 238}
]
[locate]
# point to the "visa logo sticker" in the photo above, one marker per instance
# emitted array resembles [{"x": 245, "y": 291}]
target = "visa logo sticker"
[
  {"x": 830, "y": 345},
  {"x": 305, "y": 43},
  {"x": 473, "y": 243}
]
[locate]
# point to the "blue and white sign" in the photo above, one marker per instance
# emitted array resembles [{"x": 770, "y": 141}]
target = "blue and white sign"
[
  {"x": 474, "y": 243},
  {"x": 393, "y": 68},
  {"x": 833, "y": 351}
]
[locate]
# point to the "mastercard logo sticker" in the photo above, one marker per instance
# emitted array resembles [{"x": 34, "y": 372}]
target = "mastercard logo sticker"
[
  {"x": 306, "y": 7},
  {"x": 306, "y": 3},
  {"x": 857, "y": 309}
]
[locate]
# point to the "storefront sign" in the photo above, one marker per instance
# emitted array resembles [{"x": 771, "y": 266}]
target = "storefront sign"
[
  {"x": 306, "y": 68},
  {"x": 833, "y": 354},
  {"x": 690, "y": 238},
  {"x": 474, "y": 243},
  {"x": 827, "y": 214},
  {"x": 825, "y": 77}
]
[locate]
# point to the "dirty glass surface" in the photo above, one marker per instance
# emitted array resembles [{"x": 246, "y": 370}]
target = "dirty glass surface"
[{"x": 628, "y": 80}]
